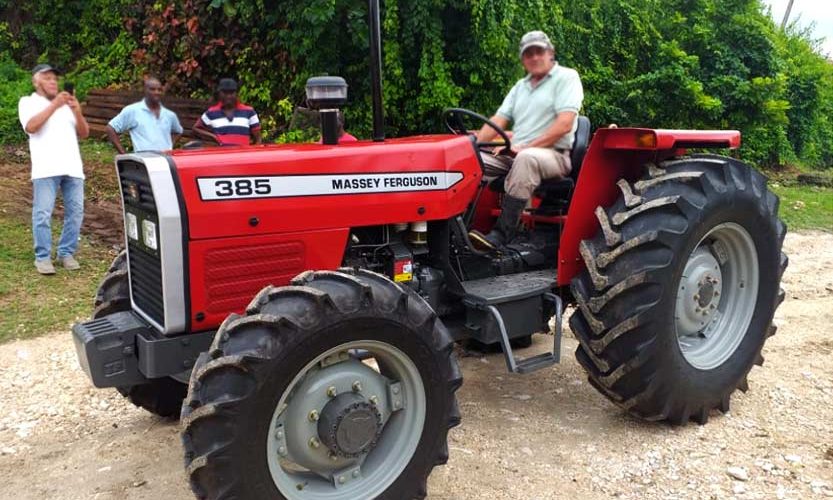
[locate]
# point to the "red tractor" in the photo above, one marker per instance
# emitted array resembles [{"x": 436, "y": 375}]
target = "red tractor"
[{"x": 300, "y": 303}]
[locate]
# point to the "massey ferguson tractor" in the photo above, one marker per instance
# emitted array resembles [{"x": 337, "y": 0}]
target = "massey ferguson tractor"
[{"x": 298, "y": 305}]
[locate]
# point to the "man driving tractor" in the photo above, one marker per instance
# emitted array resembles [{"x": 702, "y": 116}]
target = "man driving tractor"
[{"x": 543, "y": 109}]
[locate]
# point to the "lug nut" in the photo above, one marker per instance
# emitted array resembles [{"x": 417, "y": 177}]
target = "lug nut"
[
  {"x": 396, "y": 389},
  {"x": 331, "y": 391},
  {"x": 282, "y": 450},
  {"x": 313, "y": 416},
  {"x": 314, "y": 442},
  {"x": 697, "y": 296},
  {"x": 333, "y": 456},
  {"x": 374, "y": 400},
  {"x": 342, "y": 479},
  {"x": 279, "y": 435},
  {"x": 356, "y": 473},
  {"x": 357, "y": 386}
]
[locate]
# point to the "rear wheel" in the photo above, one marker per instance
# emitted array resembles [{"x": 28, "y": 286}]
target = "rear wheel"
[
  {"x": 338, "y": 387},
  {"x": 161, "y": 396},
  {"x": 680, "y": 288}
]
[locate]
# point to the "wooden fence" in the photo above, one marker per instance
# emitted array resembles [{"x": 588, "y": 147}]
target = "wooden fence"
[{"x": 102, "y": 105}]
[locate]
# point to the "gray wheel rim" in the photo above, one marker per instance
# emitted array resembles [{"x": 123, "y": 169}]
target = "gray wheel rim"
[
  {"x": 302, "y": 467},
  {"x": 716, "y": 296}
]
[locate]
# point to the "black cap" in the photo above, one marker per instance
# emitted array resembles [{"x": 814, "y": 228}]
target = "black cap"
[
  {"x": 43, "y": 68},
  {"x": 227, "y": 85}
]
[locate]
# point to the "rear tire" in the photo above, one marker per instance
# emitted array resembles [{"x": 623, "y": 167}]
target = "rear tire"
[
  {"x": 653, "y": 347},
  {"x": 161, "y": 396},
  {"x": 244, "y": 392}
]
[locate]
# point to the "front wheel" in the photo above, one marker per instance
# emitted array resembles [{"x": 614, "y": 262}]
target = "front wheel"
[
  {"x": 680, "y": 288},
  {"x": 338, "y": 387},
  {"x": 162, "y": 396}
]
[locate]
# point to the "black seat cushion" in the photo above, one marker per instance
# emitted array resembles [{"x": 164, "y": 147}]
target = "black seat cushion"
[{"x": 561, "y": 187}]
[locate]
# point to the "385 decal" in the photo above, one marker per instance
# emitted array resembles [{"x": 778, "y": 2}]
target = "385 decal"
[
  {"x": 241, "y": 188},
  {"x": 280, "y": 186}
]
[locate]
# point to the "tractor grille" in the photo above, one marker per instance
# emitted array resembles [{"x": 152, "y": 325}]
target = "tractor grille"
[
  {"x": 234, "y": 275},
  {"x": 146, "y": 282},
  {"x": 144, "y": 261}
]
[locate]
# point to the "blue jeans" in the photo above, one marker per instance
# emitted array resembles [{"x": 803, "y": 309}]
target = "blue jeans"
[{"x": 44, "y": 192}]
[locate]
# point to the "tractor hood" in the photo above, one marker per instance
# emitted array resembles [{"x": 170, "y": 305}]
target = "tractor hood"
[{"x": 259, "y": 190}]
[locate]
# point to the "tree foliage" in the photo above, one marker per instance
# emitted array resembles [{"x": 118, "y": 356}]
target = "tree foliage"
[{"x": 656, "y": 63}]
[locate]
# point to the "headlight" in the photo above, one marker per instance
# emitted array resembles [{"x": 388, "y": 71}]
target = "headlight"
[
  {"x": 132, "y": 227},
  {"x": 149, "y": 234}
]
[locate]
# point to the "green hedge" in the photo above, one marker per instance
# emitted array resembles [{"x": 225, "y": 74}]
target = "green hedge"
[
  {"x": 656, "y": 63},
  {"x": 16, "y": 83}
]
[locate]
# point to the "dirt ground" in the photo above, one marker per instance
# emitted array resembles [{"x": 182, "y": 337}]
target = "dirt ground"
[
  {"x": 546, "y": 435},
  {"x": 103, "y": 218}
]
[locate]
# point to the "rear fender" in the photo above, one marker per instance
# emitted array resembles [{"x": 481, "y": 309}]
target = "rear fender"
[{"x": 616, "y": 153}]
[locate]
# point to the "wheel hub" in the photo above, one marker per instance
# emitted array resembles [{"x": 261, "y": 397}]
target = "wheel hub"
[
  {"x": 349, "y": 425},
  {"x": 716, "y": 296},
  {"x": 700, "y": 290}
]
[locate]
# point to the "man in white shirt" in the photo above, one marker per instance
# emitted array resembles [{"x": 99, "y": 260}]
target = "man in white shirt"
[{"x": 54, "y": 123}]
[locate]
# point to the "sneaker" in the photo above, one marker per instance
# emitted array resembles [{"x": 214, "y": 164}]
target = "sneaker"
[
  {"x": 45, "y": 266},
  {"x": 69, "y": 262}
]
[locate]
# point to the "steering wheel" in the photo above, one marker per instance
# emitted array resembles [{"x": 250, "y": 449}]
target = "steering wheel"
[{"x": 454, "y": 121}]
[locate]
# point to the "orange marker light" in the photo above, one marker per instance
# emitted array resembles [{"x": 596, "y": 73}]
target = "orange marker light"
[{"x": 646, "y": 140}]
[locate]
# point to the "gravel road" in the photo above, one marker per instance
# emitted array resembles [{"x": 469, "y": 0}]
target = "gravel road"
[{"x": 546, "y": 435}]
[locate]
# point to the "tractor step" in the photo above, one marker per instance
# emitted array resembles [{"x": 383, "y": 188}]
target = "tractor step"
[
  {"x": 536, "y": 362},
  {"x": 516, "y": 298}
]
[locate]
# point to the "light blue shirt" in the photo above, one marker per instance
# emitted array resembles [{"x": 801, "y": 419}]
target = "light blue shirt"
[
  {"x": 533, "y": 109},
  {"x": 147, "y": 132}
]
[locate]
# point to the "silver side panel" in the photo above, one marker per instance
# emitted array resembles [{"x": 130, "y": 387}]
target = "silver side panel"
[{"x": 170, "y": 241}]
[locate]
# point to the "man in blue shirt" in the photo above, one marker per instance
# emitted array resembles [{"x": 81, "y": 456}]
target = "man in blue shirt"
[{"x": 152, "y": 127}]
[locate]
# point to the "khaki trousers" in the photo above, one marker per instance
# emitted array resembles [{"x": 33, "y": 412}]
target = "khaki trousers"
[{"x": 527, "y": 169}]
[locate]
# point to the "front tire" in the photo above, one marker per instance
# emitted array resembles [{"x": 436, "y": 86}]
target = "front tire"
[
  {"x": 253, "y": 417},
  {"x": 162, "y": 396},
  {"x": 680, "y": 288}
]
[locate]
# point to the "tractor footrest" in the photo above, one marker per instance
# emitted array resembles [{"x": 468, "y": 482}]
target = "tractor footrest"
[{"x": 509, "y": 287}]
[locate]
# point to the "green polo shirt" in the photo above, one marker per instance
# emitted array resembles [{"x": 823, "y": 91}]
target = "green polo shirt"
[{"x": 533, "y": 110}]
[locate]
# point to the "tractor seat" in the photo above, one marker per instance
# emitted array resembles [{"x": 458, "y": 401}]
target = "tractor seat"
[{"x": 561, "y": 189}]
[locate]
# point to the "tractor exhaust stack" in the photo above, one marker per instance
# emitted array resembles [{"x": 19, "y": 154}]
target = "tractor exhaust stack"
[{"x": 376, "y": 72}]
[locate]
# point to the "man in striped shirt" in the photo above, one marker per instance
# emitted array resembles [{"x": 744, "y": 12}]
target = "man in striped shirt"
[{"x": 229, "y": 122}]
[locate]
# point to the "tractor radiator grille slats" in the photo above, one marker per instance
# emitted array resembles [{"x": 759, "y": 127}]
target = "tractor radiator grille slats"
[
  {"x": 234, "y": 275},
  {"x": 145, "y": 267},
  {"x": 146, "y": 283}
]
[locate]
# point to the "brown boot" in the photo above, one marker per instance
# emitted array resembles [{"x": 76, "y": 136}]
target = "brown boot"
[{"x": 505, "y": 228}]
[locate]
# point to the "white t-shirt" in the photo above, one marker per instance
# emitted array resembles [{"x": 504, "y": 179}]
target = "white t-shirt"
[{"x": 54, "y": 148}]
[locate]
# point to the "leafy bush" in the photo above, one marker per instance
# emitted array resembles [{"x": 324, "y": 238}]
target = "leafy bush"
[
  {"x": 17, "y": 82},
  {"x": 656, "y": 63}
]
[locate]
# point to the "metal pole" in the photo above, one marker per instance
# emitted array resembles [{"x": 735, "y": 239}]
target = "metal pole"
[
  {"x": 376, "y": 72},
  {"x": 787, "y": 14}
]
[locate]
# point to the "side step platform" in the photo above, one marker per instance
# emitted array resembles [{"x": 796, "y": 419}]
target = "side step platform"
[{"x": 501, "y": 308}]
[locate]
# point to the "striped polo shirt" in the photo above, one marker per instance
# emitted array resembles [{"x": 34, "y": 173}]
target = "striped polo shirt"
[{"x": 236, "y": 129}]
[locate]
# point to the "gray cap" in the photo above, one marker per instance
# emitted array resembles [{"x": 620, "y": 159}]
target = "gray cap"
[
  {"x": 227, "y": 85},
  {"x": 43, "y": 68},
  {"x": 535, "y": 39}
]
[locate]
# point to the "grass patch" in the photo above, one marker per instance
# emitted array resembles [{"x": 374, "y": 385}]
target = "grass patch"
[
  {"x": 805, "y": 207},
  {"x": 33, "y": 304}
]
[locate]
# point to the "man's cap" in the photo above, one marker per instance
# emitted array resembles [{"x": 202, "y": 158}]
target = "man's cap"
[
  {"x": 43, "y": 68},
  {"x": 227, "y": 84},
  {"x": 535, "y": 39}
]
